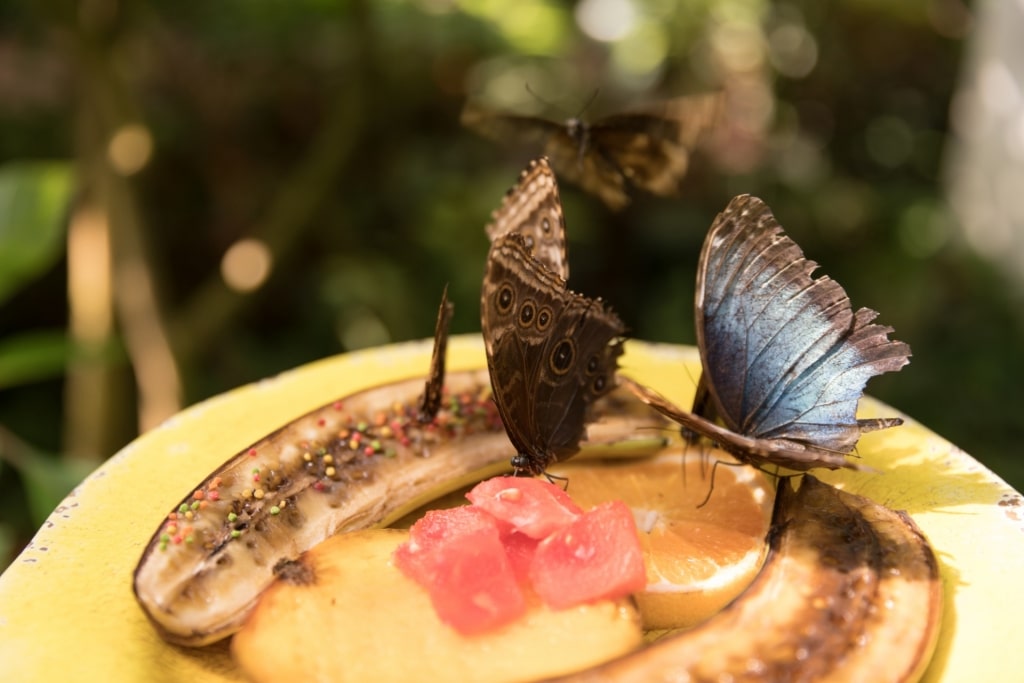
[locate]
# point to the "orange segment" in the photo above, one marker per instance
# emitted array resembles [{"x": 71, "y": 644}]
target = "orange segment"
[{"x": 698, "y": 558}]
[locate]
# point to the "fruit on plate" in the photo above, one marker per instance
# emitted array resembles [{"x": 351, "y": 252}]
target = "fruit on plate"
[
  {"x": 849, "y": 592},
  {"x": 973, "y": 519},
  {"x": 456, "y": 578},
  {"x": 480, "y": 562},
  {"x": 358, "y": 462},
  {"x": 702, "y": 534},
  {"x": 597, "y": 556},
  {"x": 344, "y": 612},
  {"x": 457, "y": 556},
  {"x": 533, "y": 507}
]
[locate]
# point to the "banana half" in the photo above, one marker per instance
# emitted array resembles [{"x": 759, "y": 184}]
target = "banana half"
[
  {"x": 358, "y": 462},
  {"x": 850, "y": 591}
]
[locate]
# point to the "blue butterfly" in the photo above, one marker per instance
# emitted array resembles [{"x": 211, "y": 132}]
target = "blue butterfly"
[{"x": 785, "y": 359}]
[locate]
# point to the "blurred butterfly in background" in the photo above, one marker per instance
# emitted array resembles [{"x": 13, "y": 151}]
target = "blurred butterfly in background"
[
  {"x": 550, "y": 351},
  {"x": 647, "y": 148},
  {"x": 785, "y": 359}
]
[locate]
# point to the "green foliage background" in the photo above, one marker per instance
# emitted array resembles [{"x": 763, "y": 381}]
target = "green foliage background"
[{"x": 329, "y": 130}]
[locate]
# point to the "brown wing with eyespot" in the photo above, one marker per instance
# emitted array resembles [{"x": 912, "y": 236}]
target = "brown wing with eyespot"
[
  {"x": 532, "y": 208},
  {"x": 551, "y": 353}
]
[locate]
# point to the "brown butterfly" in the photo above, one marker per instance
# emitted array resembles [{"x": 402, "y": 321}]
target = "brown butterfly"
[
  {"x": 550, "y": 352},
  {"x": 647, "y": 148},
  {"x": 533, "y": 208},
  {"x": 785, "y": 358},
  {"x": 431, "y": 402}
]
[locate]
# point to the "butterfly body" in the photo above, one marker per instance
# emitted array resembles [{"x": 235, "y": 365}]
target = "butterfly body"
[
  {"x": 785, "y": 358},
  {"x": 550, "y": 351}
]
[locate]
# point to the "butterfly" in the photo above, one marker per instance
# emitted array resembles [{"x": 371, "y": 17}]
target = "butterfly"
[
  {"x": 785, "y": 358},
  {"x": 532, "y": 208},
  {"x": 646, "y": 148},
  {"x": 550, "y": 351},
  {"x": 430, "y": 404}
]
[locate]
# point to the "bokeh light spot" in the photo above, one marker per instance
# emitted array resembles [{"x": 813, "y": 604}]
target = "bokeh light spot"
[
  {"x": 531, "y": 27},
  {"x": 924, "y": 228},
  {"x": 999, "y": 90},
  {"x": 792, "y": 50},
  {"x": 130, "y": 149},
  {"x": 246, "y": 265},
  {"x": 606, "y": 20},
  {"x": 363, "y": 330},
  {"x": 889, "y": 140},
  {"x": 643, "y": 51},
  {"x": 739, "y": 45}
]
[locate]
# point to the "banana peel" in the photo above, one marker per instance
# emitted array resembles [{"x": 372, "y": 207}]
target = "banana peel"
[
  {"x": 849, "y": 592},
  {"x": 66, "y": 603}
]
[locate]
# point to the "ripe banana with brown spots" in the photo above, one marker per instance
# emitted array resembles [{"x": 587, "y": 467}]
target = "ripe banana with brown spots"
[
  {"x": 356, "y": 463},
  {"x": 849, "y": 592}
]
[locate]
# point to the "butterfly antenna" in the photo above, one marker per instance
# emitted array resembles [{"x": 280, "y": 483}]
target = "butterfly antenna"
[
  {"x": 589, "y": 102},
  {"x": 540, "y": 99}
]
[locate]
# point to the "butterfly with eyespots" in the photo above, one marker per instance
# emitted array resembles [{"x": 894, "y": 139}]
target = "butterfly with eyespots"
[{"x": 550, "y": 351}]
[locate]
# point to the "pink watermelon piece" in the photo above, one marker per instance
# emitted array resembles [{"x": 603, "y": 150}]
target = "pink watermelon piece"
[
  {"x": 520, "y": 549},
  {"x": 532, "y": 507},
  {"x": 475, "y": 560},
  {"x": 458, "y": 556},
  {"x": 596, "y": 557}
]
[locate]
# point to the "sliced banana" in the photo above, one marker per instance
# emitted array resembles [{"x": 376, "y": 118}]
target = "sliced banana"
[
  {"x": 360, "y": 462},
  {"x": 850, "y": 591}
]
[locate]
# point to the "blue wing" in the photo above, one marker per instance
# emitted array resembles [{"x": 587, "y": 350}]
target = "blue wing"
[{"x": 784, "y": 354}]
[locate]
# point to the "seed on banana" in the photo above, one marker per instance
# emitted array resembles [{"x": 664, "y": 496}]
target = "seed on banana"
[{"x": 359, "y": 462}]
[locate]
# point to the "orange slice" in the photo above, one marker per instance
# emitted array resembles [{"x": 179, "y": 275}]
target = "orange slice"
[{"x": 698, "y": 557}]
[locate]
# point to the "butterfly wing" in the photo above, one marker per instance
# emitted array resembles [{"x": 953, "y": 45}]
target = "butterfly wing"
[
  {"x": 550, "y": 352},
  {"x": 532, "y": 132},
  {"x": 506, "y": 128},
  {"x": 785, "y": 356},
  {"x": 576, "y": 161},
  {"x": 432, "y": 391},
  {"x": 532, "y": 208},
  {"x": 761, "y": 453},
  {"x": 651, "y": 148}
]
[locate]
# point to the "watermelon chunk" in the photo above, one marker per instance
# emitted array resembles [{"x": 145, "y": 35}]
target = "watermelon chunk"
[
  {"x": 475, "y": 561},
  {"x": 520, "y": 549},
  {"x": 532, "y": 507},
  {"x": 596, "y": 557},
  {"x": 458, "y": 556}
]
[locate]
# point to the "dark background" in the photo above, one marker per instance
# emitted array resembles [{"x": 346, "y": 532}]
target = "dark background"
[{"x": 328, "y": 130}]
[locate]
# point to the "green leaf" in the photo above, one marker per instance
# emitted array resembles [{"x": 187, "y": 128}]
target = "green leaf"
[
  {"x": 48, "y": 479},
  {"x": 7, "y": 547},
  {"x": 33, "y": 202},
  {"x": 33, "y": 356}
]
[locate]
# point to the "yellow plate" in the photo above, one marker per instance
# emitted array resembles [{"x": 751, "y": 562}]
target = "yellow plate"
[{"x": 66, "y": 604}]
